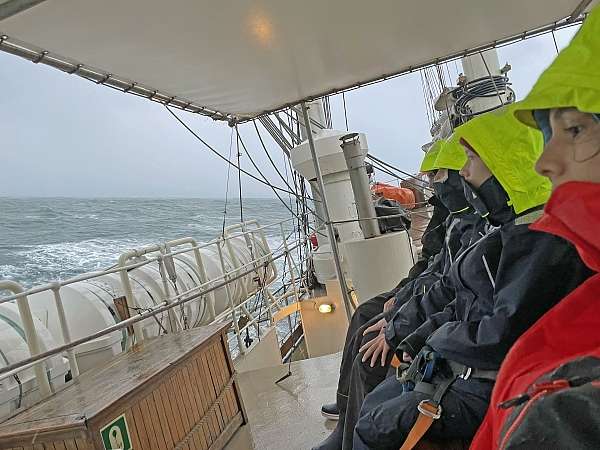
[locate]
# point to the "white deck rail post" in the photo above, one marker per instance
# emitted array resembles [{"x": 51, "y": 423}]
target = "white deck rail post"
[
  {"x": 172, "y": 315},
  {"x": 210, "y": 297},
  {"x": 236, "y": 325},
  {"x": 291, "y": 265},
  {"x": 64, "y": 328},
  {"x": 203, "y": 277},
  {"x": 129, "y": 297},
  {"x": 33, "y": 342},
  {"x": 330, "y": 230}
]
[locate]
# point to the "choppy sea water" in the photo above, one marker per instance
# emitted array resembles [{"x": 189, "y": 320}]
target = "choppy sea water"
[{"x": 46, "y": 239}]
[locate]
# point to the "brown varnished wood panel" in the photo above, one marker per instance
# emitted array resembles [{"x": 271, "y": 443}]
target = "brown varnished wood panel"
[
  {"x": 173, "y": 421},
  {"x": 96, "y": 390},
  {"x": 212, "y": 389},
  {"x": 211, "y": 421},
  {"x": 162, "y": 417},
  {"x": 226, "y": 375},
  {"x": 133, "y": 429},
  {"x": 200, "y": 436},
  {"x": 222, "y": 377},
  {"x": 165, "y": 388},
  {"x": 140, "y": 426},
  {"x": 159, "y": 427},
  {"x": 191, "y": 408}
]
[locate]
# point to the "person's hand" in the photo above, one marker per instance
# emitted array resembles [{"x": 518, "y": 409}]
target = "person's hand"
[
  {"x": 376, "y": 348},
  {"x": 389, "y": 304},
  {"x": 406, "y": 357},
  {"x": 376, "y": 327}
]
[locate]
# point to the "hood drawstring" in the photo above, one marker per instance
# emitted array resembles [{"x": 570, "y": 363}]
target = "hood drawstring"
[
  {"x": 451, "y": 194},
  {"x": 490, "y": 200}
]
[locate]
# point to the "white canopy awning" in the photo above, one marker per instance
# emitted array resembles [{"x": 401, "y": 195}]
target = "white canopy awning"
[{"x": 245, "y": 57}]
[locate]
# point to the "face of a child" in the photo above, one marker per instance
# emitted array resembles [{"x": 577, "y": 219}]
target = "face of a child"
[
  {"x": 475, "y": 172},
  {"x": 572, "y": 153}
]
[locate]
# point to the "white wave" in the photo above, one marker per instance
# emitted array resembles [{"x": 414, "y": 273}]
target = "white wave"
[{"x": 48, "y": 262}]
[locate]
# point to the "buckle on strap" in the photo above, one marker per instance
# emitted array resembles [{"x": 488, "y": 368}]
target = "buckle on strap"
[
  {"x": 466, "y": 373},
  {"x": 426, "y": 408}
]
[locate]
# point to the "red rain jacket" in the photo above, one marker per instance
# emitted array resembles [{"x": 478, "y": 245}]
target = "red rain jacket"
[{"x": 569, "y": 330}]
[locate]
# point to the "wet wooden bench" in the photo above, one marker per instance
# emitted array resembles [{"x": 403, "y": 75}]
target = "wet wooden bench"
[{"x": 173, "y": 392}]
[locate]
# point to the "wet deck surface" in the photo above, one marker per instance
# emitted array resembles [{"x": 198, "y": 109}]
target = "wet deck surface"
[{"x": 288, "y": 415}]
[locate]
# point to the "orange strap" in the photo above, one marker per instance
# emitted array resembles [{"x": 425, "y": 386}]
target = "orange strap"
[{"x": 427, "y": 414}]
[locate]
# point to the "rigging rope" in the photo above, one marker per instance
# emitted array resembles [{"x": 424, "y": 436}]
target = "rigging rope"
[
  {"x": 239, "y": 154},
  {"x": 408, "y": 175},
  {"x": 212, "y": 149},
  {"x": 227, "y": 183},
  {"x": 443, "y": 88},
  {"x": 345, "y": 111},
  {"x": 273, "y": 162},
  {"x": 555, "y": 43},
  {"x": 268, "y": 184}
]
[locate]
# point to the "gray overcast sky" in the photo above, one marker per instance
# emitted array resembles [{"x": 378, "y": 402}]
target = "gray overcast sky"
[{"x": 64, "y": 136}]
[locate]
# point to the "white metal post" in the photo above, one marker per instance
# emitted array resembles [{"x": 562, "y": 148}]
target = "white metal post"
[
  {"x": 236, "y": 325},
  {"x": 172, "y": 315},
  {"x": 66, "y": 333},
  {"x": 130, "y": 298},
  {"x": 31, "y": 335},
  {"x": 204, "y": 278},
  {"x": 330, "y": 230},
  {"x": 291, "y": 265}
]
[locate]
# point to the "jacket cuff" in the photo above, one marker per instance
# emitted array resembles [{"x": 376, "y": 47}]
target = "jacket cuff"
[
  {"x": 412, "y": 345},
  {"x": 389, "y": 315}
]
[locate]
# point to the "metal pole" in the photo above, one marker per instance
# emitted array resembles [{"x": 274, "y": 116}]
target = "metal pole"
[
  {"x": 31, "y": 336},
  {"x": 236, "y": 325},
  {"x": 355, "y": 160},
  {"x": 138, "y": 333},
  {"x": 66, "y": 333},
  {"x": 172, "y": 315},
  {"x": 202, "y": 276},
  {"x": 330, "y": 231},
  {"x": 293, "y": 278}
]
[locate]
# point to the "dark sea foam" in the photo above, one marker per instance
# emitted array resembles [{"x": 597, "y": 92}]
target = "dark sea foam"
[{"x": 45, "y": 239}]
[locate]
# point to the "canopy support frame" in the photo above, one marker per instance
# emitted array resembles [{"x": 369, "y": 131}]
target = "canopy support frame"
[
  {"x": 499, "y": 43},
  {"x": 328, "y": 223},
  {"x": 41, "y": 56},
  {"x": 97, "y": 76}
]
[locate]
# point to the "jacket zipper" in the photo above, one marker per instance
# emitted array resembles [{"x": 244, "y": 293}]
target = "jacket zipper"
[
  {"x": 555, "y": 386},
  {"x": 520, "y": 417}
]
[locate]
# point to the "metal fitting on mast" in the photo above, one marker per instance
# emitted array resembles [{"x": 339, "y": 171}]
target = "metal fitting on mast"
[{"x": 355, "y": 159}]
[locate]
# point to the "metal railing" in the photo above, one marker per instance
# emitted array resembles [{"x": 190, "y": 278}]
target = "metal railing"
[{"x": 163, "y": 255}]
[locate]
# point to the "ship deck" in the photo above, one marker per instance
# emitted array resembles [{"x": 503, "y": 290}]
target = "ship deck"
[{"x": 287, "y": 415}]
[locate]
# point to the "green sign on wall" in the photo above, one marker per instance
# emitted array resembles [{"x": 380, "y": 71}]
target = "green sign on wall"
[{"x": 115, "y": 435}]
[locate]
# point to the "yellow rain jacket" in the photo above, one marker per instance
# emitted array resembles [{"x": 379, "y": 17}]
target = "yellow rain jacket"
[
  {"x": 451, "y": 155},
  {"x": 572, "y": 80},
  {"x": 510, "y": 151},
  {"x": 428, "y": 161}
]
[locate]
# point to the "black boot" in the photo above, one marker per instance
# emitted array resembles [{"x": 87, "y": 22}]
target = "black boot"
[
  {"x": 333, "y": 441},
  {"x": 330, "y": 411}
]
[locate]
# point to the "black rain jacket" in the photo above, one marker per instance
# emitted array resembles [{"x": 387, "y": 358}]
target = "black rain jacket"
[{"x": 503, "y": 284}]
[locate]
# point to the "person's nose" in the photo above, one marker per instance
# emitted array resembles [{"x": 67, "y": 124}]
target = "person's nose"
[{"x": 550, "y": 164}]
